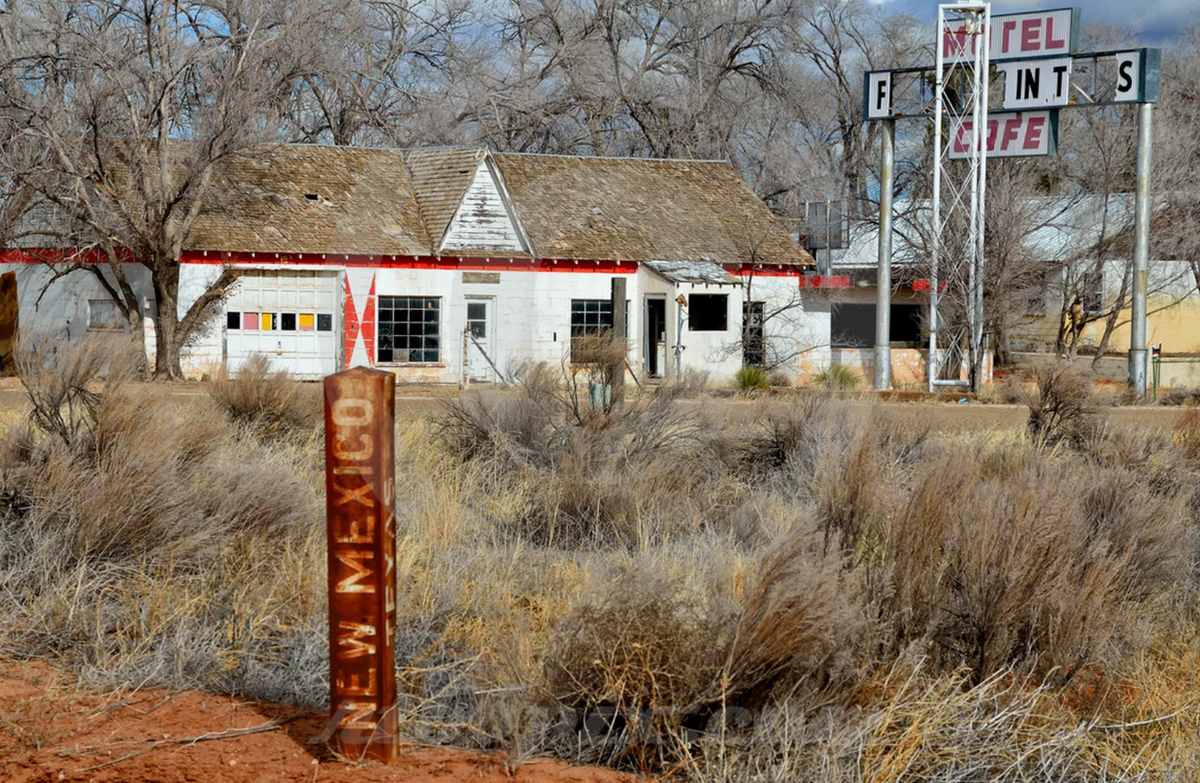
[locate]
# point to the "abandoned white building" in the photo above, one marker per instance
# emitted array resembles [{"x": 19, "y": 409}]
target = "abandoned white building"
[{"x": 451, "y": 262}]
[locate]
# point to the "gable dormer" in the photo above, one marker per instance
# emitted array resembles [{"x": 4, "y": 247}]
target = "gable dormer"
[{"x": 485, "y": 219}]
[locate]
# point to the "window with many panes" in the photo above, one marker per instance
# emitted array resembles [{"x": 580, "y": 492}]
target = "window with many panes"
[
  {"x": 409, "y": 329},
  {"x": 588, "y": 317}
]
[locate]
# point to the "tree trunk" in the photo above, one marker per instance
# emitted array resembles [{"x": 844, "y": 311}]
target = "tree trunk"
[{"x": 167, "y": 340}]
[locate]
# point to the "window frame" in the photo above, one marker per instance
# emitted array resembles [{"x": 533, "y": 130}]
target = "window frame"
[
  {"x": 600, "y": 308},
  {"x": 120, "y": 326},
  {"x": 390, "y": 336},
  {"x": 711, "y": 314}
]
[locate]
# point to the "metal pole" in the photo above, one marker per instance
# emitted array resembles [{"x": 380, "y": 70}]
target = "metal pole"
[
  {"x": 679, "y": 300},
  {"x": 1141, "y": 252},
  {"x": 360, "y": 488},
  {"x": 936, "y": 222},
  {"x": 983, "y": 67},
  {"x": 620, "y": 338},
  {"x": 883, "y": 286}
]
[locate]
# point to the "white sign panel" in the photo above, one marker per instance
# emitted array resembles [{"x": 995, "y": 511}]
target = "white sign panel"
[
  {"x": 1009, "y": 135},
  {"x": 1129, "y": 65},
  {"x": 1015, "y": 36},
  {"x": 878, "y": 96},
  {"x": 1036, "y": 83}
]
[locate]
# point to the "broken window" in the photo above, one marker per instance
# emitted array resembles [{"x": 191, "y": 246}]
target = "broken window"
[
  {"x": 105, "y": 315},
  {"x": 853, "y": 326},
  {"x": 409, "y": 329},
  {"x": 708, "y": 312}
]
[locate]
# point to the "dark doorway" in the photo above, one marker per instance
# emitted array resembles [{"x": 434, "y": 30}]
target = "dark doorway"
[
  {"x": 656, "y": 334},
  {"x": 754, "y": 352}
]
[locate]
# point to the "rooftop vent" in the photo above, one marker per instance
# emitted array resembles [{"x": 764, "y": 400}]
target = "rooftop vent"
[{"x": 312, "y": 196}]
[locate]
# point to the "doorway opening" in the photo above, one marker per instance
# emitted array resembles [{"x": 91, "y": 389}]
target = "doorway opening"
[{"x": 656, "y": 335}]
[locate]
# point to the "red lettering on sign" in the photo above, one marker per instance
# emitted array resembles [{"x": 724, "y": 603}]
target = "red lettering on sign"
[
  {"x": 1012, "y": 130},
  {"x": 1030, "y": 34},
  {"x": 959, "y": 144},
  {"x": 1006, "y": 28},
  {"x": 1051, "y": 41},
  {"x": 954, "y": 42},
  {"x": 1033, "y": 133}
]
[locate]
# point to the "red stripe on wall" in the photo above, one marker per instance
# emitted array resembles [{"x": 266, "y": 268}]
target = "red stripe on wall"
[{"x": 602, "y": 266}]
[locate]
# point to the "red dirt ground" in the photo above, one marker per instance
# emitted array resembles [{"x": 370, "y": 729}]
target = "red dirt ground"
[{"x": 52, "y": 731}]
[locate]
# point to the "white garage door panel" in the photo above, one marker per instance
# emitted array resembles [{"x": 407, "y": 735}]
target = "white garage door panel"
[{"x": 289, "y": 316}]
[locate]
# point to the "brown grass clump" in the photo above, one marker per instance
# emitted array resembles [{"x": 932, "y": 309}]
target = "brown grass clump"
[
  {"x": 632, "y": 663},
  {"x": 1062, "y": 405},
  {"x": 798, "y": 626},
  {"x": 268, "y": 401},
  {"x": 1043, "y": 567}
]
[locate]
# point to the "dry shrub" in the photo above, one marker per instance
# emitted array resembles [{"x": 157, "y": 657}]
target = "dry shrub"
[
  {"x": 1186, "y": 435},
  {"x": 635, "y": 659},
  {"x": 623, "y": 477},
  {"x": 1062, "y": 406},
  {"x": 798, "y": 626},
  {"x": 269, "y": 401},
  {"x": 66, "y": 381},
  {"x": 1043, "y": 567},
  {"x": 781, "y": 435}
]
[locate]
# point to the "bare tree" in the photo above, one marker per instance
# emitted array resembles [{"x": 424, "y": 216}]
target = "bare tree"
[{"x": 123, "y": 109}]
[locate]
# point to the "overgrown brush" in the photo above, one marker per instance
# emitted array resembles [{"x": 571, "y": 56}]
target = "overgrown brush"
[
  {"x": 749, "y": 379},
  {"x": 806, "y": 589},
  {"x": 268, "y": 401},
  {"x": 1062, "y": 406}
]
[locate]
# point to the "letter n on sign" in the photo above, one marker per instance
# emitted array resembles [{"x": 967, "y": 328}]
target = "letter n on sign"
[{"x": 360, "y": 487}]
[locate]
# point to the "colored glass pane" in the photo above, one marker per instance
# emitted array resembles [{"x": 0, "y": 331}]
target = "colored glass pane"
[{"x": 249, "y": 320}]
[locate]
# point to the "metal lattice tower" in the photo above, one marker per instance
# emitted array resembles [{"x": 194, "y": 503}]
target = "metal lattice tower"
[{"x": 959, "y": 183}]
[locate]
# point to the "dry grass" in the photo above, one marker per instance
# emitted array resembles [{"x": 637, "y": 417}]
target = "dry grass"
[
  {"x": 810, "y": 591},
  {"x": 267, "y": 400}
]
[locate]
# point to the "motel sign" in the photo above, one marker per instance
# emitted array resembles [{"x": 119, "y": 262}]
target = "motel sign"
[{"x": 1037, "y": 56}]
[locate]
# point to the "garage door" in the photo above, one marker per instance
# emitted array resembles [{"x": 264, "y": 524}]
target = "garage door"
[{"x": 286, "y": 315}]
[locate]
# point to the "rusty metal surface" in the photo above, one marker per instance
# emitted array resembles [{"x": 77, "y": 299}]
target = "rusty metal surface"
[{"x": 360, "y": 411}]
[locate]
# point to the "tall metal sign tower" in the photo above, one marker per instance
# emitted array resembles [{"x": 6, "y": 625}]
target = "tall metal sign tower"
[
  {"x": 959, "y": 186},
  {"x": 1036, "y": 54}
]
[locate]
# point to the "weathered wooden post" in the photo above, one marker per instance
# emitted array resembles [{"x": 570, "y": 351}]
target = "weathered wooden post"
[
  {"x": 622, "y": 339},
  {"x": 360, "y": 467}
]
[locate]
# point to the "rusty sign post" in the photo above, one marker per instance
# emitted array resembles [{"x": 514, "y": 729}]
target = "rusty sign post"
[{"x": 360, "y": 411}]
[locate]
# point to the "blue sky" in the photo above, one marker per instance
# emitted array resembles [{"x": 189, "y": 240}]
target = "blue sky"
[{"x": 1158, "y": 20}]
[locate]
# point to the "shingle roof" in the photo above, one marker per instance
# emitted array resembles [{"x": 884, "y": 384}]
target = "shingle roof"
[
  {"x": 364, "y": 203},
  {"x": 320, "y": 199},
  {"x": 639, "y": 209},
  {"x": 440, "y": 178}
]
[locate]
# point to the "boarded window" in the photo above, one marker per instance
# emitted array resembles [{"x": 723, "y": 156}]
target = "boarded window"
[
  {"x": 708, "y": 312},
  {"x": 409, "y": 329},
  {"x": 105, "y": 315}
]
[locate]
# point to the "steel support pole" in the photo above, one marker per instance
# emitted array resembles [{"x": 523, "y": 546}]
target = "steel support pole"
[
  {"x": 1141, "y": 252},
  {"x": 883, "y": 286},
  {"x": 360, "y": 486}
]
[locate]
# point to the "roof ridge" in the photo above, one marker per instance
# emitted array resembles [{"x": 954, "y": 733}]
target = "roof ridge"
[{"x": 639, "y": 158}]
